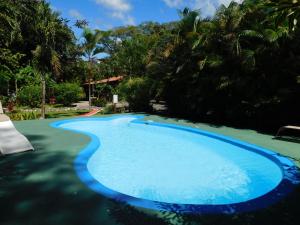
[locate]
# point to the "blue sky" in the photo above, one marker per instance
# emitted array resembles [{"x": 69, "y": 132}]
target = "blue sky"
[{"x": 107, "y": 14}]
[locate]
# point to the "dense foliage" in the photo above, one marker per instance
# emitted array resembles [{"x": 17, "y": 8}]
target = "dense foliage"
[
  {"x": 239, "y": 67},
  {"x": 30, "y": 96},
  {"x": 137, "y": 92},
  {"x": 68, "y": 93},
  {"x": 36, "y": 45}
]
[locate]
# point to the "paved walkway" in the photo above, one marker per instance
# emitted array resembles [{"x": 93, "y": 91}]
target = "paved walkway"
[
  {"x": 3, "y": 118},
  {"x": 84, "y": 105},
  {"x": 91, "y": 113}
]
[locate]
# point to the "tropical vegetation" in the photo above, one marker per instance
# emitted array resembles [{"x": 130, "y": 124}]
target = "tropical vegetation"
[{"x": 239, "y": 67}]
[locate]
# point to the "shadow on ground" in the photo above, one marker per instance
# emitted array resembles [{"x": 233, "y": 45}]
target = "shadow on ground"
[
  {"x": 289, "y": 139},
  {"x": 41, "y": 187}
]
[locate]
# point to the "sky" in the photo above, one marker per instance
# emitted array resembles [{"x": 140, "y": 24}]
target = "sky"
[{"x": 107, "y": 14}]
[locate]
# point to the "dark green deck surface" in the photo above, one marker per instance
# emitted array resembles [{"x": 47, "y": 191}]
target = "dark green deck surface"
[{"x": 41, "y": 187}]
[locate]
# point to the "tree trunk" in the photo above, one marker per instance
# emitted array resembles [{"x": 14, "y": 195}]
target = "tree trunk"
[
  {"x": 90, "y": 77},
  {"x": 8, "y": 92},
  {"x": 90, "y": 100},
  {"x": 16, "y": 87},
  {"x": 43, "y": 110},
  {"x": 1, "y": 109}
]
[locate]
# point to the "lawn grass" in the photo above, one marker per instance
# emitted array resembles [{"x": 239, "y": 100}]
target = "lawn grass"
[
  {"x": 32, "y": 115},
  {"x": 41, "y": 187},
  {"x": 62, "y": 114}
]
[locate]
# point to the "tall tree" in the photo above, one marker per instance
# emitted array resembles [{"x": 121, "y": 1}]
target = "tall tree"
[
  {"x": 285, "y": 10},
  {"x": 9, "y": 23},
  {"x": 90, "y": 48},
  {"x": 46, "y": 57}
]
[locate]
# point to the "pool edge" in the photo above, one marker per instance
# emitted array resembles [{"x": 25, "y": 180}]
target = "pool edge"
[{"x": 288, "y": 183}]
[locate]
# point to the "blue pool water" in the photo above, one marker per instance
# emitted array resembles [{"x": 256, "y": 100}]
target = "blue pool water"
[{"x": 156, "y": 166}]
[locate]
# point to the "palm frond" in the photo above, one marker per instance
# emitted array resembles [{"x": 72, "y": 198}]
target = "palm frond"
[
  {"x": 271, "y": 35},
  {"x": 251, "y": 34},
  {"x": 55, "y": 63}
]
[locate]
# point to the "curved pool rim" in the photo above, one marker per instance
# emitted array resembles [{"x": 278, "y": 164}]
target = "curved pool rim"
[{"x": 290, "y": 172}]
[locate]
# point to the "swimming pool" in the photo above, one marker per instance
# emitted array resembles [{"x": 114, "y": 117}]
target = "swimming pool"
[{"x": 177, "y": 168}]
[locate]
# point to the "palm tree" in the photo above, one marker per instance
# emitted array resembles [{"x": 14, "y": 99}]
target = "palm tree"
[
  {"x": 90, "y": 48},
  {"x": 9, "y": 24},
  {"x": 286, "y": 10},
  {"x": 46, "y": 59},
  {"x": 238, "y": 35},
  {"x": 81, "y": 23},
  {"x": 189, "y": 21}
]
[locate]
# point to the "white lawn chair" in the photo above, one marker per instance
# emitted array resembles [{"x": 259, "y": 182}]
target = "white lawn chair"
[
  {"x": 11, "y": 140},
  {"x": 1, "y": 109},
  {"x": 286, "y": 128}
]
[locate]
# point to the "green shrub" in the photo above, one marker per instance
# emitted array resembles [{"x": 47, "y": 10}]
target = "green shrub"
[
  {"x": 104, "y": 91},
  {"x": 68, "y": 93},
  {"x": 108, "y": 109},
  {"x": 4, "y": 100},
  {"x": 30, "y": 96},
  {"x": 99, "y": 102},
  {"x": 137, "y": 92},
  {"x": 30, "y": 115}
]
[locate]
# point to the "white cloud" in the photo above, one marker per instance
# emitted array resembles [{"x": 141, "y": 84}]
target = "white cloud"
[
  {"x": 206, "y": 6},
  {"x": 118, "y": 15},
  {"x": 209, "y": 7},
  {"x": 75, "y": 14},
  {"x": 129, "y": 21},
  {"x": 126, "y": 19},
  {"x": 116, "y": 5},
  {"x": 173, "y": 3},
  {"x": 120, "y": 10}
]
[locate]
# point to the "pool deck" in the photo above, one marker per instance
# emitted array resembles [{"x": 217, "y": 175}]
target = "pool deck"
[{"x": 41, "y": 187}]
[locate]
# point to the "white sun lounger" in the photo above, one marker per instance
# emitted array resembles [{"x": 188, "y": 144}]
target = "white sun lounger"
[
  {"x": 286, "y": 128},
  {"x": 11, "y": 140},
  {"x": 1, "y": 109}
]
